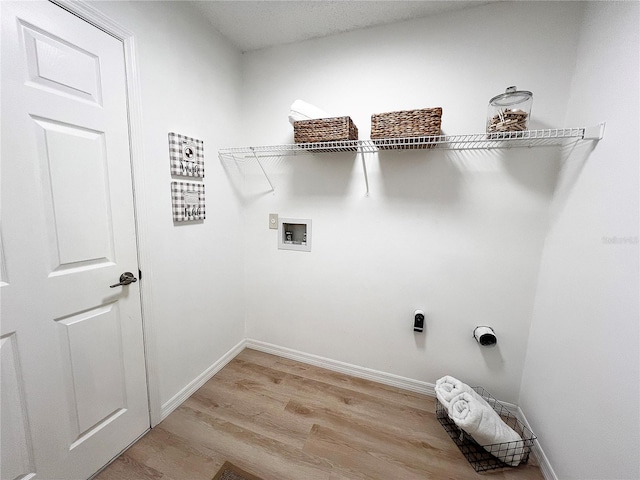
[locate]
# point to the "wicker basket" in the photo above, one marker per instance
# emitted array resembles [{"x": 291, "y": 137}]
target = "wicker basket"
[
  {"x": 405, "y": 124},
  {"x": 324, "y": 130}
]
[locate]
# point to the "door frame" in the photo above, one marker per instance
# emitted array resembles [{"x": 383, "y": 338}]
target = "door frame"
[{"x": 89, "y": 14}]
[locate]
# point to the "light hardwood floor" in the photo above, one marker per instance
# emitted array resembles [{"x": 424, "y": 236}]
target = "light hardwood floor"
[{"x": 284, "y": 420}]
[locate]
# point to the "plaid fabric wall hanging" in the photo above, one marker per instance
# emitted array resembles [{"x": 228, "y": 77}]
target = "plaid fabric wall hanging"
[
  {"x": 187, "y": 201},
  {"x": 186, "y": 155}
]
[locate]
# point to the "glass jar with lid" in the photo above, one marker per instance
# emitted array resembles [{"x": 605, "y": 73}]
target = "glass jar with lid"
[{"x": 509, "y": 111}]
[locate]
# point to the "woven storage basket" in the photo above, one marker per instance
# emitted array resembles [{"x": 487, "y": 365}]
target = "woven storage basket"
[
  {"x": 405, "y": 124},
  {"x": 324, "y": 130}
]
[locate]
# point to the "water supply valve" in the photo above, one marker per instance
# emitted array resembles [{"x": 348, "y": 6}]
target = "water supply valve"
[{"x": 418, "y": 321}]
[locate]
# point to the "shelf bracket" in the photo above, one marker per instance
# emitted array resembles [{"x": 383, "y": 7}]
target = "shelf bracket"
[
  {"x": 273, "y": 189},
  {"x": 364, "y": 169},
  {"x": 594, "y": 133}
]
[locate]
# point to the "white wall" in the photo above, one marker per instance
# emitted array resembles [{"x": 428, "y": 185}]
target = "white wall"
[
  {"x": 580, "y": 388},
  {"x": 190, "y": 79},
  {"x": 457, "y": 234}
]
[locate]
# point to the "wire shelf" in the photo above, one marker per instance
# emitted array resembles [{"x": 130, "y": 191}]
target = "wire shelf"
[
  {"x": 293, "y": 149},
  {"x": 527, "y": 138},
  {"x": 477, "y": 141}
]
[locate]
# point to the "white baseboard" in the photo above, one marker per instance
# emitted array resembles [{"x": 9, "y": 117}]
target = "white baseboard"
[
  {"x": 346, "y": 368},
  {"x": 200, "y": 380},
  {"x": 541, "y": 458}
]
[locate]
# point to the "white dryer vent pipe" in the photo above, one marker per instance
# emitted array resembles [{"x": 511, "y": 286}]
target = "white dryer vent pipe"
[{"x": 485, "y": 336}]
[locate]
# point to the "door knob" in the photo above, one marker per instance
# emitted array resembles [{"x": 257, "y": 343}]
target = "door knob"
[{"x": 125, "y": 279}]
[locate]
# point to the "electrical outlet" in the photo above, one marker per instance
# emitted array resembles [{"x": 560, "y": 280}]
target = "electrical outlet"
[{"x": 273, "y": 221}]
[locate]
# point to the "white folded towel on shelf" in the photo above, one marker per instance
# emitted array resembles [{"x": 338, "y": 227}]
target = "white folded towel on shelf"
[
  {"x": 448, "y": 387},
  {"x": 301, "y": 110},
  {"x": 479, "y": 420}
]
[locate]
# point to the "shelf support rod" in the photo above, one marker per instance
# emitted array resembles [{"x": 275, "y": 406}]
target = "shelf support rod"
[
  {"x": 263, "y": 170},
  {"x": 364, "y": 169}
]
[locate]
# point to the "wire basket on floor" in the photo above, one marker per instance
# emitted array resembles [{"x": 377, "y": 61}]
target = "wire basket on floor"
[{"x": 488, "y": 457}]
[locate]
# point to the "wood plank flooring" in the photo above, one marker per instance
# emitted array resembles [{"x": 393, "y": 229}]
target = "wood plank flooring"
[{"x": 285, "y": 420}]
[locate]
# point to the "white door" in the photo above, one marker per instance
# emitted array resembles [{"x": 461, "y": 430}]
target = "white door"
[{"x": 73, "y": 381}]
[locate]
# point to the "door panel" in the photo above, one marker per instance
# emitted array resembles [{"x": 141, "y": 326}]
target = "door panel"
[
  {"x": 60, "y": 66},
  {"x": 77, "y": 241},
  {"x": 92, "y": 343},
  {"x": 16, "y": 455},
  {"x": 73, "y": 370}
]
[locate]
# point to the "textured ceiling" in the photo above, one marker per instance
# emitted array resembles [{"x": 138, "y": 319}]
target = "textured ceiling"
[{"x": 252, "y": 25}]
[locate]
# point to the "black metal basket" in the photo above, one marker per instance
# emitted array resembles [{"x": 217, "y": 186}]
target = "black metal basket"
[{"x": 488, "y": 457}]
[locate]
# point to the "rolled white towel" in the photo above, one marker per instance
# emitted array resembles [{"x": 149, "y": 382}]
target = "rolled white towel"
[
  {"x": 301, "y": 110},
  {"x": 448, "y": 387},
  {"x": 486, "y": 427}
]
